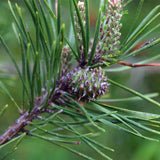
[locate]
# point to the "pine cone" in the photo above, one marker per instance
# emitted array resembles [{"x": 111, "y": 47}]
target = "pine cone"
[
  {"x": 66, "y": 59},
  {"x": 108, "y": 43},
  {"x": 85, "y": 84},
  {"x": 77, "y": 26}
]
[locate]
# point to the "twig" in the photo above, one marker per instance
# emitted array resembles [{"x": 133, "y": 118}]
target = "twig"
[
  {"x": 138, "y": 65},
  {"x": 26, "y": 118},
  {"x": 19, "y": 125}
]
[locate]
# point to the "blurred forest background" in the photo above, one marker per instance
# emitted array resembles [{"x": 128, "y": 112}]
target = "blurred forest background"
[{"x": 145, "y": 80}]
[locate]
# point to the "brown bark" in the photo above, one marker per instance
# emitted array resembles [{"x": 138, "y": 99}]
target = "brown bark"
[
  {"x": 19, "y": 125},
  {"x": 138, "y": 65}
]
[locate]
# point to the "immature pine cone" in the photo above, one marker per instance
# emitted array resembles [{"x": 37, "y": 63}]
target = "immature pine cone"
[
  {"x": 85, "y": 84},
  {"x": 77, "y": 25},
  {"x": 66, "y": 59},
  {"x": 108, "y": 43}
]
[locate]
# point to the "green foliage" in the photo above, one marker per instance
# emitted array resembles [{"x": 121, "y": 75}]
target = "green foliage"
[{"x": 66, "y": 116}]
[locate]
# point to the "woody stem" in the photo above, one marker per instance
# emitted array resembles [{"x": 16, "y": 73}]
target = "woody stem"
[
  {"x": 19, "y": 125},
  {"x": 138, "y": 65}
]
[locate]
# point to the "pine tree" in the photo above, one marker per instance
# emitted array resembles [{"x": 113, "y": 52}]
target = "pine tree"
[{"x": 64, "y": 79}]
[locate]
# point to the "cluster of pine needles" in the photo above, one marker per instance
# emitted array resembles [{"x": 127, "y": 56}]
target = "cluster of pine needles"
[{"x": 65, "y": 87}]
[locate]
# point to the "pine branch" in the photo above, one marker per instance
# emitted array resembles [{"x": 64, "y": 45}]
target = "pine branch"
[
  {"x": 138, "y": 65},
  {"x": 18, "y": 126},
  {"x": 57, "y": 77}
]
